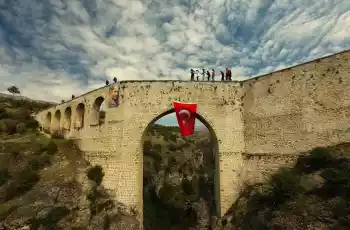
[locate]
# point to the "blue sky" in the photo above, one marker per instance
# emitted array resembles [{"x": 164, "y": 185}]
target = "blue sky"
[{"x": 52, "y": 49}]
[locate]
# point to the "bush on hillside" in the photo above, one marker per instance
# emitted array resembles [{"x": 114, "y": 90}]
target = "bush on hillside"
[
  {"x": 4, "y": 176},
  {"x": 12, "y": 126},
  {"x": 39, "y": 162},
  {"x": 7, "y": 208},
  {"x": 20, "y": 128},
  {"x": 21, "y": 114},
  {"x": 9, "y": 126},
  {"x": 3, "y": 127},
  {"x": 20, "y": 184},
  {"x": 32, "y": 124},
  {"x": 285, "y": 185},
  {"x": 318, "y": 158},
  {"x": 337, "y": 180},
  {"x": 51, "y": 148},
  {"x": 3, "y": 113},
  {"x": 96, "y": 174}
]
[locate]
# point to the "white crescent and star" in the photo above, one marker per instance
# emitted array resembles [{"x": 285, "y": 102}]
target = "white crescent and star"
[{"x": 185, "y": 114}]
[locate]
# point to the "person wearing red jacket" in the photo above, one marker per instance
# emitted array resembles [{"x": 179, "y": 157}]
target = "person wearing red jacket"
[{"x": 227, "y": 77}]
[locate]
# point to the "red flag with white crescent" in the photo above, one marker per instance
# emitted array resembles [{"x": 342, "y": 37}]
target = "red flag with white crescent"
[{"x": 186, "y": 117}]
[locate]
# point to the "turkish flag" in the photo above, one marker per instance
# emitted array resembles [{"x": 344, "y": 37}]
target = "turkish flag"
[{"x": 186, "y": 117}]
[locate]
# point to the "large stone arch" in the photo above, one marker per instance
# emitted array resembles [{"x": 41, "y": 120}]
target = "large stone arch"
[
  {"x": 80, "y": 114},
  {"x": 215, "y": 152},
  {"x": 57, "y": 120},
  {"x": 47, "y": 123},
  {"x": 67, "y": 118},
  {"x": 97, "y": 116}
]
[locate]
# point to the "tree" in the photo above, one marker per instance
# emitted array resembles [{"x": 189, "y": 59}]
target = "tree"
[{"x": 14, "y": 90}]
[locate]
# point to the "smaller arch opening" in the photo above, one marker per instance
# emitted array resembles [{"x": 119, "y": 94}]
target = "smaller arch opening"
[
  {"x": 98, "y": 112},
  {"x": 47, "y": 123},
  {"x": 67, "y": 118},
  {"x": 57, "y": 120},
  {"x": 79, "y": 122}
]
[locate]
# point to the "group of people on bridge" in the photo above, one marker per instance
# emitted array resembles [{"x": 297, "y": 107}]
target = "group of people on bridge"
[{"x": 224, "y": 76}]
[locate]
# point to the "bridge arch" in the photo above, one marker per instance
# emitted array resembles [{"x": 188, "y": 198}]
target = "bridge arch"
[
  {"x": 97, "y": 112},
  {"x": 215, "y": 153},
  {"x": 80, "y": 113},
  {"x": 67, "y": 118},
  {"x": 57, "y": 120},
  {"x": 47, "y": 123}
]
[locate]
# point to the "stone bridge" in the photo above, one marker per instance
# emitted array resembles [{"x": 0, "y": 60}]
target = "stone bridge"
[{"x": 258, "y": 125}]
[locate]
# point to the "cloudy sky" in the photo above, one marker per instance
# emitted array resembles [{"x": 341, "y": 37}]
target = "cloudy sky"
[{"x": 52, "y": 49}]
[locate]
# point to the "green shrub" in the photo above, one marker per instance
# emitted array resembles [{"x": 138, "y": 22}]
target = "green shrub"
[
  {"x": 7, "y": 208},
  {"x": 173, "y": 138},
  {"x": 10, "y": 126},
  {"x": 3, "y": 127},
  {"x": 32, "y": 124},
  {"x": 4, "y": 176},
  {"x": 337, "y": 180},
  {"x": 49, "y": 221},
  {"x": 51, "y": 148},
  {"x": 285, "y": 184},
  {"x": 21, "y": 114},
  {"x": 317, "y": 159},
  {"x": 39, "y": 162},
  {"x": 3, "y": 114},
  {"x": 39, "y": 149},
  {"x": 96, "y": 174},
  {"x": 21, "y": 183},
  {"x": 20, "y": 128},
  {"x": 157, "y": 147}
]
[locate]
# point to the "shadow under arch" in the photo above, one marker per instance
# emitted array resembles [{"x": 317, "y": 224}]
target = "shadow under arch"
[
  {"x": 215, "y": 152},
  {"x": 48, "y": 118}
]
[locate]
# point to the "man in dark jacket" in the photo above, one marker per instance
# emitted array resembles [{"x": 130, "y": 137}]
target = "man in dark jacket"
[
  {"x": 208, "y": 75},
  {"x": 222, "y": 75}
]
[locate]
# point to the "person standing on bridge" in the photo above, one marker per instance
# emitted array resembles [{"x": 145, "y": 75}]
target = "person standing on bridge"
[
  {"x": 222, "y": 75},
  {"x": 197, "y": 74},
  {"x": 192, "y": 74},
  {"x": 208, "y": 75},
  {"x": 213, "y": 74},
  {"x": 227, "y": 77}
]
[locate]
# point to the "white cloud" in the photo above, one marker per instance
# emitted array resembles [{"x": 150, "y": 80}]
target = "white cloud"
[{"x": 54, "y": 48}]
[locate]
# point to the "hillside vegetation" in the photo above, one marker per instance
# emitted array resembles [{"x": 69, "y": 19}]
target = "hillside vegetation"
[{"x": 45, "y": 183}]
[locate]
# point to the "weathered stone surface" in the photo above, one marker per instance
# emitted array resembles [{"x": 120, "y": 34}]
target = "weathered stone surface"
[{"x": 276, "y": 116}]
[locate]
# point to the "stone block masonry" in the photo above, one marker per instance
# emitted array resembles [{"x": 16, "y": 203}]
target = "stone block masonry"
[{"x": 259, "y": 124}]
